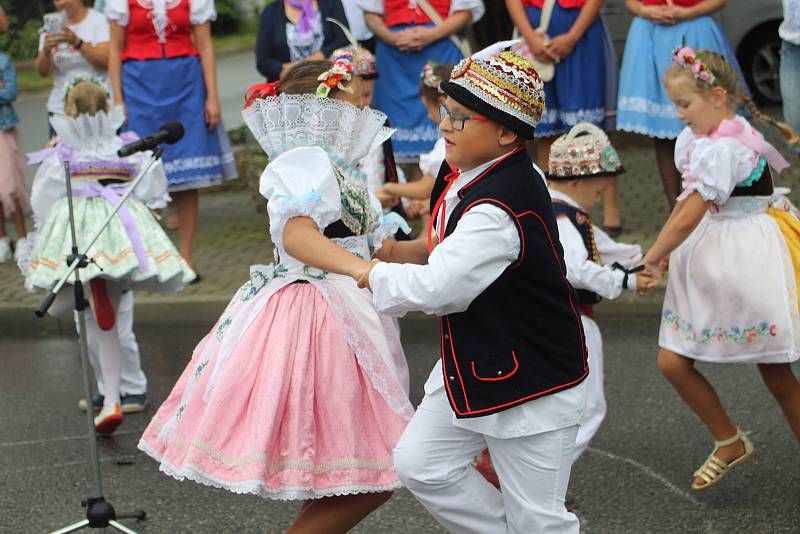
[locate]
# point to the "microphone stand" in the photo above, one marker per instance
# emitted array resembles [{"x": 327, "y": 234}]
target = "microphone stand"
[{"x": 99, "y": 512}]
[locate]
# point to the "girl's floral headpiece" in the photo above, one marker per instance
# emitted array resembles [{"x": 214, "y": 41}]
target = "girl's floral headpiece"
[
  {"x": 689, "y": 60},
  {"x": 430, "y": 78},
  {"x": 85, "y": 78},
  {"x": 333, "y": 78},
  {"x": 260, "y": 90}
]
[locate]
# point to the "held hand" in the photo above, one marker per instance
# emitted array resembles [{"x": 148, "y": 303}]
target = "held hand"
[
  {"x": 212, "y": 113},
  {"x": 664, "y": 264},
  {"x": 536, "y": 44},
  {"x": 68, "y": 36},
  {"x": 561, "y": 46},
  {"x": 408, "y": 40},
  {"x": 658, "y": 14},
  {"x": 51, "y": 41},
  {"x": 387, "y": 199},
  {"x": 676, "y": 13},
  {"x": 644, "y": 283},
  {"x": 651, "y": 271},
  {"x": 361, "y": 275}
]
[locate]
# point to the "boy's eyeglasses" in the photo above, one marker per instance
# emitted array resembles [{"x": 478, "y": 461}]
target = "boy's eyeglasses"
[{"x": 457, "y": 119}]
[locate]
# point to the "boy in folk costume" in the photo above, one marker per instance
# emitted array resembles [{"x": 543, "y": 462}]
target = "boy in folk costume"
[{"x": 513, "y": 357}]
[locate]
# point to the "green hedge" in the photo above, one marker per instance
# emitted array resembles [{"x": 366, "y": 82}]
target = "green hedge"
[{"x": 25, "y": 18}]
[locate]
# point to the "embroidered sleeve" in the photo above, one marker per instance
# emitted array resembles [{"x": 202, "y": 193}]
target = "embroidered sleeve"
[
  {"x": 117, "y": 10},
  {"x": 476, "y": 7},
  {"x": 201, "y": 11},
  {"x": 371, "y": 6},
  {"x": 300, "y": 183},
  {"x": 715, "y": 167}
]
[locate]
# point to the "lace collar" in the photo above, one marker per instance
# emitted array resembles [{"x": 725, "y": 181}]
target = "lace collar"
[
  {"x": 90, "y": 136},
  {"x": 345, "y": 132}
]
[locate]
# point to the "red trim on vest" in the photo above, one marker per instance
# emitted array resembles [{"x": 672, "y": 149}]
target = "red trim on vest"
[
  {"x": 501, "y": 377},
  {"x": 516, "y": 218}
]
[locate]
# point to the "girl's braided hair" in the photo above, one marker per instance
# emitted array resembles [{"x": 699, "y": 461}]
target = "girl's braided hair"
[{"x": 728, "y": 79}]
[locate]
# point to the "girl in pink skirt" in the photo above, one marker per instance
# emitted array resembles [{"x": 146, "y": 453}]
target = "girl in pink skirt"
[
  {"x": 13, "y": 193},
  {"x": 300, "y": 390}
]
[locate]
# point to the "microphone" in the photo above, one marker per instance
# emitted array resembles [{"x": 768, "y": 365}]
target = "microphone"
[{"x": 170, "y": 133}]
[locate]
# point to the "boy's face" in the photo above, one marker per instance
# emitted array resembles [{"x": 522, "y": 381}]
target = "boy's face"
[
  {"x": 588, "y": 192},
  {"x": 478, "y": 142}
]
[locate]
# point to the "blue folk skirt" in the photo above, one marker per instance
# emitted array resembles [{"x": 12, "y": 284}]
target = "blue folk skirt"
[
  {"x": 397, "y": 94},
  {"x": 577, "y": 92},
  {"x": 172, "y": 89},
  {"x": 643, "y": 105}
]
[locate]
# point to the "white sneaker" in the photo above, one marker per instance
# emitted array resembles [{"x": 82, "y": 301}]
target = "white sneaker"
[{"x": 5, "y": 249}]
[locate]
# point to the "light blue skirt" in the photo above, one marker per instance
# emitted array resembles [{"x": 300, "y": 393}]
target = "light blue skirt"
[
  {"x": 643, "y": 105},
  {"x": 172, "y": 89},
  {"x": 397, "y": 94}
]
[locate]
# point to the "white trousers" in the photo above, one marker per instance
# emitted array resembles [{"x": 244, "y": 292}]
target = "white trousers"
[
  {"x": 434, "y": 461},
  {"x": 132, "y": 378},
  {"x": 595, "y": 410}
]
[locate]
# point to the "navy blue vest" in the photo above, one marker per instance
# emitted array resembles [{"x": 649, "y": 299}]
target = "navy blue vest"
[
  {"x": 580, "y": 220},
  {"x": 521, "y": 338}
]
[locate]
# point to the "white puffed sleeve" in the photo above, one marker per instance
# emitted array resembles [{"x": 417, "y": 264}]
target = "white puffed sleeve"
[
  {"x": 716, "y": 166},
  {"x": 371, "y": 6},
  {"x": 476, "y": 7},
  {"x": 430, "y": 163},
  {"x": 117, "y": 10},
  {"x": 152, "y": 190},
  {"x": 300, "y": 183},
  {"x": 201, "y": 11},
  {"x": 49, "y": 185}
]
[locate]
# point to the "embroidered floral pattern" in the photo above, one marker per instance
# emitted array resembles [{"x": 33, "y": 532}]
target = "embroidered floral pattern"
[
  {"x": 221, "y": 329},
  {"x": 733, "y": 334},
  {"x": 315, "y": 274},
  {"x": 201, "y": 367},
  {"x": 258, "y": 280},
  {"x": 356, "y": 209}
]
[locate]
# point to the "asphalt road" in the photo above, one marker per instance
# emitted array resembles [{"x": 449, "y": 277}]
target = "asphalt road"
[{"x": 634, "y": 478}]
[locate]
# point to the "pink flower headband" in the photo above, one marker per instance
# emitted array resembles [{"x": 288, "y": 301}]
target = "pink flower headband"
[
  {"x": 689, "y": 60},
  {"x": 342, "y": 70},
  {"x": 429, "y": 77}
]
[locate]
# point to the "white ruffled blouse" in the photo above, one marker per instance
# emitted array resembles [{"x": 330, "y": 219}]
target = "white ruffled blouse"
[
  {"x": 714, "y": 166},
  {"x": 303, "y": 182}
]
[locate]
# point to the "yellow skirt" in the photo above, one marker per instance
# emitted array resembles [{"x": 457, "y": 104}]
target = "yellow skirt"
[{"x": 790, "y": 228}]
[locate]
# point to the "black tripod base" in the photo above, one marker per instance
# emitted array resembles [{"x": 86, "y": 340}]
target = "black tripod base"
[{"x": 100, "y": 514}]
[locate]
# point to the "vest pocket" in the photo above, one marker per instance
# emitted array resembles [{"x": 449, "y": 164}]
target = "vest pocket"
[{"x": 495, "y": 367}]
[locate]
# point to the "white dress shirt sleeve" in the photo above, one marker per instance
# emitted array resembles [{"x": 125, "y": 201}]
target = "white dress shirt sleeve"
[
  {"x": 582, "y": 272},
  {"x": 484, "y": 243}
]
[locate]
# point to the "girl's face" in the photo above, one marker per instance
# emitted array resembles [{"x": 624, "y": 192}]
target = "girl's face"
[
  {"x": 433, "y": 109},
  {"x": 67, "y": 5},
  {"x": 701, "y": 111},
  {"x": 367, "y": 89}
]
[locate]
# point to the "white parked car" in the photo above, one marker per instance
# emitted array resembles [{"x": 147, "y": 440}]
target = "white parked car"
[{"x": 752, "y": 29}]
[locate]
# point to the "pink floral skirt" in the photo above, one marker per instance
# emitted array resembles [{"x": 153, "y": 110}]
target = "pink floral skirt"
[{"x": 291, "y": 416}]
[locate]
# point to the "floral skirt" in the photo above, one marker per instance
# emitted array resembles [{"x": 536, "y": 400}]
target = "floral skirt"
[
  {"x": 732, "y": 290},
  {"x": 114, "y": 254},
  {"x": 289, "y": 412}
]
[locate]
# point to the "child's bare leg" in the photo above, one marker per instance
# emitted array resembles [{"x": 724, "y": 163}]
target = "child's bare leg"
[
  {"x": 186, "y": 204},
  {"x": 670, "y": 177},
  {"x": 19, "y": 220},
  {"x": 701, "y": 397},
  {"x": 2, "y": 222},
  {"x": 333, "y": 515},
  {"x": 783, "y": 385}
]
